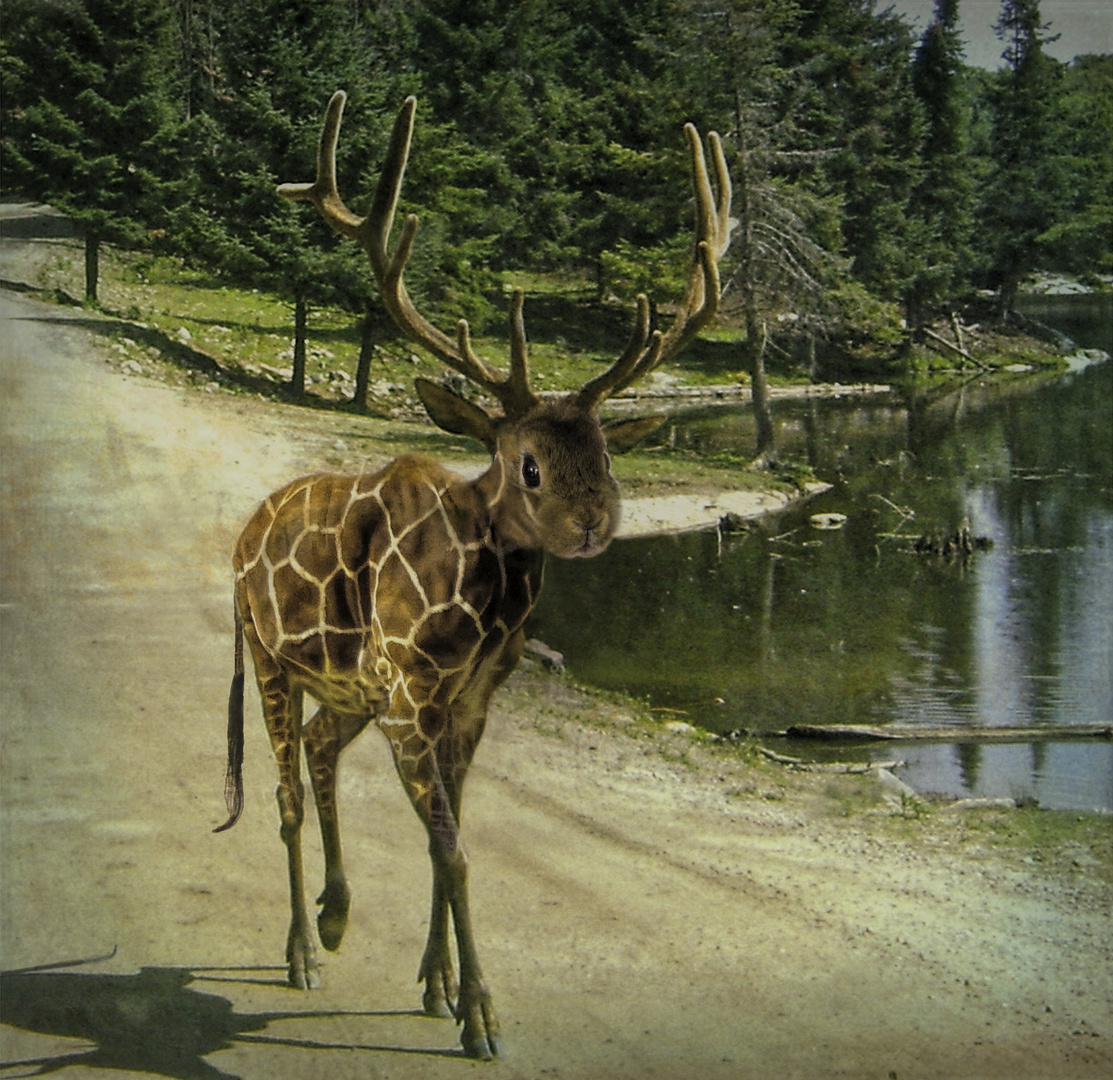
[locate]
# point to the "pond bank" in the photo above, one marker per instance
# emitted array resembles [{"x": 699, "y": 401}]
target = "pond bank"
[{"x": 667, "y": 514}]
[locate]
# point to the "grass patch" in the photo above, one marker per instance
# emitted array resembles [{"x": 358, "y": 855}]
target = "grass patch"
[
  {"x": 1081, "y": 841},
  {"x": 572, "y": 337},
  {"x": 661, "y": 471},
  {"x": 1060, "y": 841}
]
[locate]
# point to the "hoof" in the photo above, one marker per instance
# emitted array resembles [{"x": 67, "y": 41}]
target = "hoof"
[
  {"x": 333, "y": 918},
  {"x": 480, "y": 1037},
  {"x": 303, "y": 978},
  {"x": 482, "y": 1047},
  {"x": 331, "y": 926},
  {"x": 436, "y": 1005},
  {"x": 441, "y": 990},
  {"x": 303, "y": 972}
]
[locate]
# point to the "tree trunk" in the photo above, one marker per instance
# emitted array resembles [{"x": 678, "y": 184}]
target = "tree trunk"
[
  {"x": 1007, "y": 293},
  {"x": 764, "y": 447},
  {"x": 366, "y": 355},
  {"x": 746, "y": 275},
  {"x": 92, "y": 266},
  {"x": 301, "y": 317}
]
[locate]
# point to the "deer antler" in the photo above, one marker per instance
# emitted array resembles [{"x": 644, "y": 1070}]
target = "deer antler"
[
  {"x": 372, "y": 233},
  {"x": 646, "y": 351}
]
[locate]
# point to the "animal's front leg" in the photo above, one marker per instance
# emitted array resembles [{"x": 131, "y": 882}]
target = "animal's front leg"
[
  {"x": 438, "y": 807},
  {"x": 437, "y": 970},
  {"x": 475, "y": 1011}
]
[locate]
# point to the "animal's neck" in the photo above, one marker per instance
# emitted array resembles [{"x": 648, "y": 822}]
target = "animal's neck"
[{"x": 512, "y": 522}]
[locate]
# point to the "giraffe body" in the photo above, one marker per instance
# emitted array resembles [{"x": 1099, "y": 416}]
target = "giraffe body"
[
  {"x": 382, "y": 594},
  {"x": 399, "y": 597}
]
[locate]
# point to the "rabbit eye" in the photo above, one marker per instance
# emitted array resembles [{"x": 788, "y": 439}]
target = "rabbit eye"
[{"x": 531, "y": 472}]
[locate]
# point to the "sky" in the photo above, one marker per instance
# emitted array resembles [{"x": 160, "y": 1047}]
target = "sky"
[{"x": 1086, "y": 26}]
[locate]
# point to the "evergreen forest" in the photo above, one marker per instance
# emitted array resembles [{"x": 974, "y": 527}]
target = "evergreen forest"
[{"x": 880, "y": 181}]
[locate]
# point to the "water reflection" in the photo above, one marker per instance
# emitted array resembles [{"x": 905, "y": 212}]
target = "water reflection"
[
  {"x": 794, "y": 625},
  {"x": 1058, "y": 775}
]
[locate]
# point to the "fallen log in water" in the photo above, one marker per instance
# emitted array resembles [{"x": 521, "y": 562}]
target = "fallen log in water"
[
  {"x": 910, "y": 732},
  {"x": 827, "y": 766}
]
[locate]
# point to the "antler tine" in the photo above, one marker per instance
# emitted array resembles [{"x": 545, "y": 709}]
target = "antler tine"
[
  {"x": 602, "y": 386},
  {"x": 372, "y": 234},
  {"x": 701, "y": 297},
  {"x": 323, "y": 192},
  {"x": 518, "y": 382},
  {"x": 714, "y": 226}
]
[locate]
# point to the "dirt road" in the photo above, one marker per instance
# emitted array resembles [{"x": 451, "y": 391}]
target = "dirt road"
[{"x": 645, "y": 908}]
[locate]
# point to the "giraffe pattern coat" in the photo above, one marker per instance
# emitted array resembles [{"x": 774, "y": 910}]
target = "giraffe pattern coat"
[{"x": 399, "y": 597}]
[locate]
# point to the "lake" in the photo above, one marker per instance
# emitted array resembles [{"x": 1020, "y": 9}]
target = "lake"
[{"x": 791, "y": 624}]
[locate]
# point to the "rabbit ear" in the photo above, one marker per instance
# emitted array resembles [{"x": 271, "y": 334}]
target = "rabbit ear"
[
  {"x": 452, "y": 413},
  {"x": 623, "y": 435}
]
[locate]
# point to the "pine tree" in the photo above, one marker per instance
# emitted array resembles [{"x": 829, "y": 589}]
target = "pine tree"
[
  {"x": 941, "y": 203},
  {"x": 856, "y": 102},
  {"x": 1023, "y": 195},
  {"x": 88, "y": 115},
  {"x": 727, "y": 58},
  {"x": 272, "y": 69},
  {"x": 1081, "y": 239},
  {"x": 550, "y": 98}
]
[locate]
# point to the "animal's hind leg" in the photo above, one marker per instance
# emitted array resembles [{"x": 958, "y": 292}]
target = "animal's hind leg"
[
  {"x": 282, "y": 712},
  {"x": 325, "y": 736}
]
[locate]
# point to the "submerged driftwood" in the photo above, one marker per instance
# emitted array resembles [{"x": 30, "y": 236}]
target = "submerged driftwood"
[
  {"x": 960, "y": 545},
  {"x": 828, "y": 766},
  {"x": 908, "y": 732}
]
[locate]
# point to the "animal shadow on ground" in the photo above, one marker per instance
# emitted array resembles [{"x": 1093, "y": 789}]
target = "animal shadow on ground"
[{"x": 151, "y": 1022}]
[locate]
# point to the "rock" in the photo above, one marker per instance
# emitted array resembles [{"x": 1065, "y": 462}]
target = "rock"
[
  {"x": 894, "y": 786},
  {"x": 827, "y": 521},
  {"x": 1083, "y": 358},
  {"x": 538, "y": 650},
  {"x": 981, "y": 804},
  {"x": 380, "y": 388},
  {"x": 131, "y": 367},
  {"x": 183, "y": 335},
  {"x": 680, "y": 727}
]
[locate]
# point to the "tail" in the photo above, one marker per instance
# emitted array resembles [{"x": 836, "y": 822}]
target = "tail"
[{"x": 233, "y": 778}]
